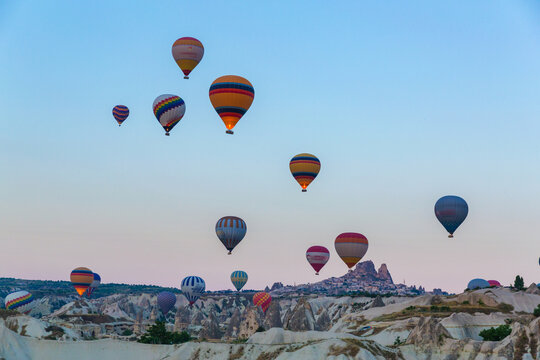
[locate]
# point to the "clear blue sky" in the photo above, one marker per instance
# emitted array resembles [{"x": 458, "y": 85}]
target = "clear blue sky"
[{"x": 403, "y": 102}]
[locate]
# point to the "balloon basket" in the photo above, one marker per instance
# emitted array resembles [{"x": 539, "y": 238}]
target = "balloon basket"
[
  {"x": 304, "y": 190},
  {"x": 230, "y": 132},
  {"x": 451, "y": 235},
  {"x": 167, "y": 134},
  {"x": 229, "y": 253},
  {"x": 186, "y": 77},
  {"x": 316, "y": 273}
]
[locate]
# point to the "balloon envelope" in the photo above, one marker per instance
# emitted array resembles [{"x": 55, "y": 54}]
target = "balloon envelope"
[
  {"x": 231, "y": 230},
  {"x": 22, "y": 301},
  {"x": 94, "y": 284},
  {"x": 351, "y": 247},
  {"x": 120, "y": 113},
  {"x": 263, "y": 300},
  {"x": 187, "y": 52},
  {"x": 317, "y": 256},
  {"x": 494, "y": 283},
  {"x": 169, "y": 110},
  {"x": 239, "y": 278},
  {"x": 477, "y": 284},
  {"x": 304, "y": 168},
  {"x": 231, "y": 96},
  {"x": 192, "y": 288},
  {"x": 166, "y": 301},
  {"x": 81, "y": 278},
  {"x": 451, "y": 211}
]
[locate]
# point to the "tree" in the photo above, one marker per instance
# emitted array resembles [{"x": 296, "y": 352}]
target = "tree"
[
  {"x": 157, "y": 334},
  {"x": 496, "y": 334},
  {"x": 519, "y": 283},
  {"x": 536, "y": 312}
]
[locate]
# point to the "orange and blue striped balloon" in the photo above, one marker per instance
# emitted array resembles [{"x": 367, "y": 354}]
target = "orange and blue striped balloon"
[
  {"x": 231, "y": 96},
  {"x": 120, "y": 113},
  {"x": 187, "y": 52},
  {"x": 81, "y": 279},
  {"x": 239, "y": 278},
  {"x": 351, "y": 247},
  {"x": 305, "y": 168}
]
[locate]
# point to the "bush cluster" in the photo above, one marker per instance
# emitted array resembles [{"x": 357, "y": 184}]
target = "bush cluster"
[
  {"x": 496, "y": 334},
  {"x": 157, "y": 334}
]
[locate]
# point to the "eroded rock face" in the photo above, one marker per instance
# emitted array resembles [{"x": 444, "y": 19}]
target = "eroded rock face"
[
  {"x": 234, "y": 325},
  {"x": 273, "y": 316},
  {"x": 251, "y": 320},
  {"x": 323, "y": 322},
  {"x": 182, "y": 318},
  {"x": 211, "y": 329},
  {"x": 533, "y": 289},
  {"x": 378, "y": 302},
  {"x": 428, "y": 332},
  {"x": 301, "y": 317},
  {"x": 383, "y": 273}
]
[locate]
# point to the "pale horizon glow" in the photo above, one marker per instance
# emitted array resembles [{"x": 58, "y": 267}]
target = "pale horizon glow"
[{"x": 402, "y": 102}]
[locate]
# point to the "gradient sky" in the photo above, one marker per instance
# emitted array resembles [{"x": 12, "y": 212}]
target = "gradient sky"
[{"x": 403, "y": 102}]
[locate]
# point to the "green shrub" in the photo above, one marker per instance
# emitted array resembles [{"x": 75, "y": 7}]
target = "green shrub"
[
  {"x": 157, "y": 334},
  {"x": 260, "y": 329},
  {"x": 127, "y": 332},
  {"x": 519, "y": 284},
  {"x": 496, "y": 334},
  {"x": 398, "y": 341},
  {"x": 536, "y": 311}
]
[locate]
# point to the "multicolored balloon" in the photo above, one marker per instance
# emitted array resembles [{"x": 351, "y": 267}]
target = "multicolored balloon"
[
  {"x": 81, "y": 278},
  {"x": 187, "y": 52},
  {"x": 192, "y": 288},
  {"x": 263, "y": 300},
  {"x": 169, "y": 110},
  {"x": 305, "y": 168},
  {"x": 120, "y": 113},
  {"x": 22, "y": 301},
  {"x": 317, "y": 256},
  {"x": 451, "y": 211},
  {"x": 94, "y": 284},
  {"x": 231, "y": 230},
  {"x": 166, "y": 301},
  {"x": 239, "y": 278},
  {"x": 351, "y": 247},
  {"x": 231, "y": 97},
  {"x": 494, "y": 283}
]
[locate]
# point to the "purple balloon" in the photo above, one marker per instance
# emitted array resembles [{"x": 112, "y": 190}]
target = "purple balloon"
[{"x": 166, "y": 301}]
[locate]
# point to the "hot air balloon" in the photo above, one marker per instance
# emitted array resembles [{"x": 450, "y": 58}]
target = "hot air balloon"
[
  {"x": 231, "y": 97},
  {"x": 263, "y": 300},
  {"x": 81, "y": 278},
  {"x": 477, "y": 284},
  {"x": 166, "y": 301},
  {"x": 192, "y": 288},
  {"x": 22, "y": 301},
  {"x": 239, "y": 278},
  {"x": 494, "y": 283},
  {"x": 351, "y": 247},
  {"x": 317, "y": 256},
  {"x": 304, "y": 168},
  {"x": 187, "y": 52},
  {"x": 120, "y": 113},
  {"x": 231, "y": 230},
  {"x": 169, "y": 110},
  {"x": 94, "y": 284},
  {"x": 451, "y": 211}
]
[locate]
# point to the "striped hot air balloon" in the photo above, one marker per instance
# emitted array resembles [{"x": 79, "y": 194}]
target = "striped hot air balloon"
[
  {"x": 192, "y": 288},
  {"x": 451, "y": 211},
  {"x": 304, "y": 168},
  {"x": 81, "y": 278},
  {"x": 351, "y": 247},
  {"x": 120, "y": 113},
  {"x": 239, "y": 278},
  {"x": 231, "y": 230},
  {"x": 169, "y": 110},
  {"x": 21, "y": 301},
  {"x": 263, "y": 300},
  {"x": 231, "y": 97},
  {"x": 166, "y": 301},
  {"x": 187, "y": 52},
  {"x": 93, "y": 286},
  {"x": 317, "y": 256}
]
